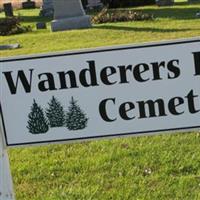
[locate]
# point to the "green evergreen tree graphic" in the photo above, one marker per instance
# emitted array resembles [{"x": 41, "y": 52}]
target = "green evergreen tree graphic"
[
  {"x": 75, "y": 118},
  {"x": 55, "y": 113},
  {"x": 37, "y": 123}
]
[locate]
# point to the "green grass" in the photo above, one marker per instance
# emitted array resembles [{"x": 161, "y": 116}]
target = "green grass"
[
  {"x": 163, "y": 167},
  {"x": 144, "y": 168},
  {"x": 170, "y": 23}
]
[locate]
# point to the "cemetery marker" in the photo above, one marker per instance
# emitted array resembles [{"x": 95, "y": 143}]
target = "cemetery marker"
[
  {"x": 99, "y": 93},
  {"x": 69, "y": 14},
  {"x": 8, "y": 9}
]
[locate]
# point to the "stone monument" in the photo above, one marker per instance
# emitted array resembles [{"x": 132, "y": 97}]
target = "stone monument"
[
  {"x": 165, "y": 2},
  {"x": 69, "y": 14},
  {"x": 28, "y": 4},
  {"x": 8, "y": 9},
  {"x": 94, "y": 4},
  {"x": 47, "y": 8}
]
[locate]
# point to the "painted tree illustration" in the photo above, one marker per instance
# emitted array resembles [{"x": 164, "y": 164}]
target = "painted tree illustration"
[
  {"x": 75, "y": 118},
  {"x": 55, "y": 113},
  {"x": 37, "y": 122}
]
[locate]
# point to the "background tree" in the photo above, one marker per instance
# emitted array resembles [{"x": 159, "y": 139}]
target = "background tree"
[
  {"x": 55, "y": 113},
  {"x": 75, "y": 118},
  {"x": 37, "y": 122}
]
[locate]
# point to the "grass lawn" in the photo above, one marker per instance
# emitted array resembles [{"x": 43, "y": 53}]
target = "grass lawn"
[
  {"x": 140, "y": 168},
  {"x": 170, "y": 23}
]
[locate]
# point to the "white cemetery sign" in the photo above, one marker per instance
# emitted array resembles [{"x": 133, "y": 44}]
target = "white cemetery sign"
[
  {"x": 105, "y": 92},
  {"x": 111, "y": 92}
]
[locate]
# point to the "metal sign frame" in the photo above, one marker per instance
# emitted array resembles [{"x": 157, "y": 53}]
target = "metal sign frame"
[{"x": 6, "y": 183}]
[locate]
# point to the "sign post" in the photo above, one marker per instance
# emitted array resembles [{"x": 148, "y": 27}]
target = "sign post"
[{"x": 6, "y": 184}]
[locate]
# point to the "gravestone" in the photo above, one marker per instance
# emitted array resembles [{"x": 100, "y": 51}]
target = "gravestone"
[
  {"x": 8, "y": 9},
  {"x": 165, "y": 2},
  {"x": 9, "y": 46},
  {"x": 193, "y": 1},
  {"x": 94, "y": 4},
  {"x": 47, "y": 8},
  {"x": 28, "y": 4},
  {"x": 198, "y": 14},
  {"x": 69, "y": 14},
  {"x": 41, "y": 25}
]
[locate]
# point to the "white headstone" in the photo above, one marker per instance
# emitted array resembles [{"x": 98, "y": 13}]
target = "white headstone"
[{"x": 69, "y": 14}]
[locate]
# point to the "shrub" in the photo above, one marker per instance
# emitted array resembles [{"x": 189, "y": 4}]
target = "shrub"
[
  {"x": 120, "y": 16},
  {"x": 127, "y": 3},
  {"x": 11, "y": 25}
]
